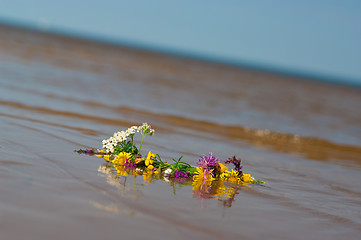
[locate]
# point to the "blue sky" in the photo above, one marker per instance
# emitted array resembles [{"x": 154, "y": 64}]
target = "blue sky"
[{"x": 321, "y": 38}]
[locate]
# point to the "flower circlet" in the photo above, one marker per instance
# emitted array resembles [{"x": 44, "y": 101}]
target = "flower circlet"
[{"x": 121, "y": 151}]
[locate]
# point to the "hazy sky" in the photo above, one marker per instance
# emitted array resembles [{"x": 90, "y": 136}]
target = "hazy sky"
[{"x": 308, "y": 36}]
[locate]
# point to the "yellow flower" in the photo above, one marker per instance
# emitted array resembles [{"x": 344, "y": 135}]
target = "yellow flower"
[
  {"x": 198, "y": 175},
  {"x": 149, "y": 159},
  {"x": 138, "y": 160},
  {"x": 224, "y": 172},
  {"x": 106, "y": 156},
  {"x": 148, "y": 162},
  {"x": 223, "y": 176},
  {"x": 150, "y": 167},
  {"x": 201, "y": 175},
  {"x": 121, "y": 158},
  {"x": 223, "y": 168},
  {"x": 233, "y": 177},
  {"x": 247, "y": 178}
]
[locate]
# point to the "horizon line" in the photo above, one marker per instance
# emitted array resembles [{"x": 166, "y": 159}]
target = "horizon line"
[{"x": 240, "y": 63}]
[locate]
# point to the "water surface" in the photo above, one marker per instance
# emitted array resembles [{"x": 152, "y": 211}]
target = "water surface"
[{"x": 58, "y": 94}]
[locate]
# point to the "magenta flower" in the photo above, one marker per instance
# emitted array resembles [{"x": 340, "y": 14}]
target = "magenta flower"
[
  {"x": 208, "y": 163},
  {"x": 129, "y": 164},
  {"x": 181, "y": 174}
]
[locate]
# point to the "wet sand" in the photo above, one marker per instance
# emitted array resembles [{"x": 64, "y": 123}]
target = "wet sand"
[{"x": 58, "y": 94}]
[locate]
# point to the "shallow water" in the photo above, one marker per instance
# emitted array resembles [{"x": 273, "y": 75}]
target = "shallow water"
[{"x": 59, "y": 94}]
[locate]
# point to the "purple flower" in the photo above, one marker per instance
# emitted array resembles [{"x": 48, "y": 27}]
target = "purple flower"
[
  {"x": 237, "y": 164},
  {"x": 208, "y": 163},
  {"x": 129, "y": 164},
  {"x": 180, "y": 174}
]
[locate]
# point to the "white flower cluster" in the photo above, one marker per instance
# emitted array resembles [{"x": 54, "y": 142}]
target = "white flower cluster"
[
  {"x": 146, "y": 129},
  {"x": 168, "y": 171},
  {"x": 119, "y": 137}
]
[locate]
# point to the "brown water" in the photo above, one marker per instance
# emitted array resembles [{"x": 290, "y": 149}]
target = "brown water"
[{"x": 59, "y": 94}]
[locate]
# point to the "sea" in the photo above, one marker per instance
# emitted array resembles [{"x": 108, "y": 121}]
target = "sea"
[{"x": 60, "y": 93}]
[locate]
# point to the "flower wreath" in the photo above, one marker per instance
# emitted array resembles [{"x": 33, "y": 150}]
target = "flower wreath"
[{"x": 121, "y": 151}]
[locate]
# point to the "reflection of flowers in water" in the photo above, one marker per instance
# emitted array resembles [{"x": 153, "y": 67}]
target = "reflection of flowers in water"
[
  {"x": 202, "y": 188},
  {"x": 112, "y": 179},
  {"x": 216, "y": 189},
  {"x": 207, "y": 189}
]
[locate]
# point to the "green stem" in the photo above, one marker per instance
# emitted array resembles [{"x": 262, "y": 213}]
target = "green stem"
[{"x": 141, "y": 143}]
